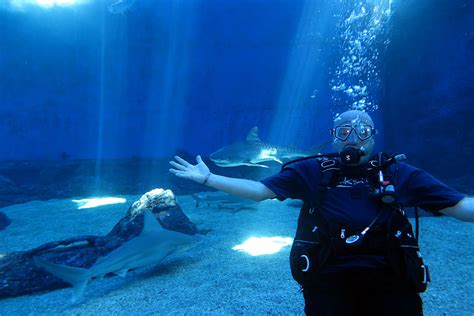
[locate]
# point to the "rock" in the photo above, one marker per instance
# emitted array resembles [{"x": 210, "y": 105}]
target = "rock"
[
  {"x": 4, "y": 221},
  {"x": 19, "y": 275},
  {"x": 163, "y": 204}
]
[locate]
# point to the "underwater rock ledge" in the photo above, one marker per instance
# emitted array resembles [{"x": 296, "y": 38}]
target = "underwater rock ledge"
[
  {"x": 30, "y": 180},
  {"x": 19, "y": 275}
]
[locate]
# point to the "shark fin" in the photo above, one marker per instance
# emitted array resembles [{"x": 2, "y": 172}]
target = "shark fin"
[
  {"x": 277, "y": 160},
  {"x": 77, "y": 277},
  {"x": 252, "y": 136},
  {"x": 122, "y": 273},
  {"x": 150, "y": 223}
]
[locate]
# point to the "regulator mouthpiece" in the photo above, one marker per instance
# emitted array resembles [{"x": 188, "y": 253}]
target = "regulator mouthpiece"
[{"x": 351, "y": 155}]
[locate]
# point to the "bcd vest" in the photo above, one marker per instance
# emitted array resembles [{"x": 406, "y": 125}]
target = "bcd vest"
[{"x": 319, "y": 241}]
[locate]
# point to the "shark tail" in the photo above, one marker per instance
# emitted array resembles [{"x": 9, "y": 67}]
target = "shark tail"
[{"x": 77, "y": 277}]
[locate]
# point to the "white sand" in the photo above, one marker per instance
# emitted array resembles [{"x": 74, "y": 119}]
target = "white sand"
[{"x": 211, "y": 278}]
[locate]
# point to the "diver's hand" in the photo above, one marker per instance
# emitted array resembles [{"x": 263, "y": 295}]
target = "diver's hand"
[{"x": 184, "y": 169}]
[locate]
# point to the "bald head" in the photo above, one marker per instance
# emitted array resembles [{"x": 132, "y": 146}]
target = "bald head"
[
  {"x": 356, "y": 132},
  {"x": 354, "y": 117}
]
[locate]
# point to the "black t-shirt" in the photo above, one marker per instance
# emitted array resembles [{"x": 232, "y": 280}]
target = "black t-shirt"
[{"x": 348, "y": 202}]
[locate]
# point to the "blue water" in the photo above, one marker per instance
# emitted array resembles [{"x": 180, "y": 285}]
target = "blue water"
[
  {"x": 82, "y": 85},
  {"x": 194, "y": 75}
]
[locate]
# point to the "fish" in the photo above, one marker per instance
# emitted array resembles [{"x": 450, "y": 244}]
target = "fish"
[
  {"x": 150, "y": 247},
  {"x": 252, "y": 152},
  {"x": 224, "y": 201},
  {"x": 121, "y": 6}
]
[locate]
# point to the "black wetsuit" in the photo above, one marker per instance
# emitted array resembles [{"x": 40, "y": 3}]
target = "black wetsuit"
[{"x": 361, "y": 284}]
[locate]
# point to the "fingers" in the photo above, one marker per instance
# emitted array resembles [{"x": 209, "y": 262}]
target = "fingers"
[
  {"x": 179, "y": 173},
  {"x": 178, "y": 166},
  {"x": 182, "y": 161},
  {"x": 199, "y": 159}
]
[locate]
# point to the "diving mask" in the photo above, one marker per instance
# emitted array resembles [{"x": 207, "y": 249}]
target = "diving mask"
[{"x": 363, "y": 131}]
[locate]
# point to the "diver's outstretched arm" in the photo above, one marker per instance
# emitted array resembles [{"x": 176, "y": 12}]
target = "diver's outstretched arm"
[
  {"x": 200, "y": 173},
  {"x": 464, "y": 210}
]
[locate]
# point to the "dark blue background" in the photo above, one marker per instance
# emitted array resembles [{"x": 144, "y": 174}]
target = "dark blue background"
[{"x": 195, "y": 75}]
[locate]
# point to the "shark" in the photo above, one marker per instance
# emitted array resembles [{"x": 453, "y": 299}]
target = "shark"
[
  {"x": 252, "y": 152},
  {"x": 120, "y": 6},
  {"x": 150, "y": 247},
  {"x": 223, "y": 201}
]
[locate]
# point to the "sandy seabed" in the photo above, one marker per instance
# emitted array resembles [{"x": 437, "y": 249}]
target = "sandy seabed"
[{"x": 211, "y": 278}]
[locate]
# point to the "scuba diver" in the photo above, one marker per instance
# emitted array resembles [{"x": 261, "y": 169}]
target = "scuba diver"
[{"x": 354, "y": 252}]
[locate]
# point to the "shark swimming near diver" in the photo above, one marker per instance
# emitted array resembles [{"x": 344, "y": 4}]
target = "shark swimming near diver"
[
  {"x": 252, "y": 151},
  {"x": 150, "y": 247},
  {"x": 223, "y": 201}
]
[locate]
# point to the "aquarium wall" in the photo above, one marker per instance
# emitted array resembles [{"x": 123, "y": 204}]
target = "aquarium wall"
[
  {"x": 428, "y": 93},
  {"x": 188, "y": 77},
  {"x": 81, "y": 82}
]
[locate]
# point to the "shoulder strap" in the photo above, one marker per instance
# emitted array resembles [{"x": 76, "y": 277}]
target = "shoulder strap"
[{"x": 329, "y": 175}]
